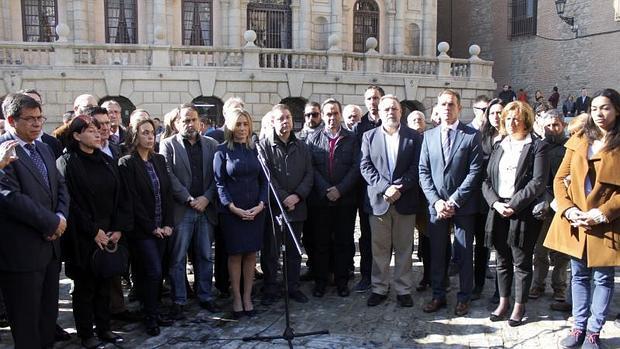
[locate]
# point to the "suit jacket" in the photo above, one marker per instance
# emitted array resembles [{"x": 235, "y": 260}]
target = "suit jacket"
[
  {"x": 531, "y": 179},
  {"x": 601, "y": 244},
  {"x": 375, "y": 170},
  {"x": 138, "y": 185},
  {"x": 53, "y": 143},
  {"x": 459, "y": 177},
  {"x": 29, "y": 211},
  {"x": 177, "y": 163},
  {"x": 581, "y": 106}
]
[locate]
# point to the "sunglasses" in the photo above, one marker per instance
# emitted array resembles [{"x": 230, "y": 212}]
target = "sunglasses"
[
  {"x": 481, "y": 109},
  {"x": 312, "y": 115}
]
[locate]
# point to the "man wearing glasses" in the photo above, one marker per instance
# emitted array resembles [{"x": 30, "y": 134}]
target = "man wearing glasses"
[{"x": 51, "y": 141}]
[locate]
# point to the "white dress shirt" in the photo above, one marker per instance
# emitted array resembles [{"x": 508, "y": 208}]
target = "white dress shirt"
[{"x": 391, "y": 148}]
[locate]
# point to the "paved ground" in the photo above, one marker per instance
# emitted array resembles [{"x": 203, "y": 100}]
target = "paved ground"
[{"x": 353, "y": 325}]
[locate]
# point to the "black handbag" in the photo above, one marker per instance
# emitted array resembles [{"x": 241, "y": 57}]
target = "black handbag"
[{"x": 113, "y": 260}]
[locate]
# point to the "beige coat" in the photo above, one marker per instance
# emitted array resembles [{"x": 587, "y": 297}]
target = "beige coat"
[{"x": 601, "y": 244}]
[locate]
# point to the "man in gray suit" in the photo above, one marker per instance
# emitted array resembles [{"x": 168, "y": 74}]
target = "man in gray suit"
[
  {"x": 189, "y": 158},
  {"x": 33, "y": 205},
  {"x": 450, "y": 176}
]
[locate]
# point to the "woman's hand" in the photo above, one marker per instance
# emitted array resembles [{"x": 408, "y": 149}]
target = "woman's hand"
[
  {"x": 254, "y": 211},
  {"x": 158, "y": 233},
  {"x": 115, "y": 236},
  {"x": 503, "y": 209},
  {"x": 243, "y": 214},
  {"x": 167, "y": 231},
  {"x": 101, "y": 239}
]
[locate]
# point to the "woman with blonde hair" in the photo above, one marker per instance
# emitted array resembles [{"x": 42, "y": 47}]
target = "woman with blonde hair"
[
  {"x": 242, "y": 192},
  {"x": 169, "y": 119}
]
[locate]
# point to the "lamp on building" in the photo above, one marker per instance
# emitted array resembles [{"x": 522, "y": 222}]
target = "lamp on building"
[{"x": 559, "y": 7}]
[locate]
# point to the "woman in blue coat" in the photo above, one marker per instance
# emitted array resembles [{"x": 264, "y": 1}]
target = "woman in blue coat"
[{"x": 242, "y": 191}]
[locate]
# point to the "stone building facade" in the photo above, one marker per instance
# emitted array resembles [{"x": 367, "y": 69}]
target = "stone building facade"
[
  {"x": 157, "y": 54},
  {"x": 548, "y": 56}
]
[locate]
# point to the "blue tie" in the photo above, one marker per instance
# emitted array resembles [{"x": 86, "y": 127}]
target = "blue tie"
[{"x": 38, "y": 162}]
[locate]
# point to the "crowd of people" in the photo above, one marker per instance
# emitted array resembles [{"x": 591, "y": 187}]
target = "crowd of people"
[{"x": 515, "y": 180}]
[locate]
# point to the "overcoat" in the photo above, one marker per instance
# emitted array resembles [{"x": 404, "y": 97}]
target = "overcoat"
[{"x": 601, "y": 244}]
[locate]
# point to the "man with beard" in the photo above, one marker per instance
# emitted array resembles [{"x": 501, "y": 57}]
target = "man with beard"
[
  {"x": 312, "y": 120},
  {"x": 389, "y": 164},
  {"x": 189, "y": 158}
]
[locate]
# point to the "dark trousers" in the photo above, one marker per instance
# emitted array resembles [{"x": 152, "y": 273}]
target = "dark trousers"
[
  {"x": 439, "y": 234},
  {"x": 222, "y": 280},
  {"x": 270, "y": 255},
  {"x": 481, "y": 253},
  {"x": 31, "y": 300},
  {"x": 148, "y": 268},
  {"x": 91, "y": 303},
  {"x": 333, "y": 237},
  {"x": 513, "y": 262},
  {"x": 424, "y": 254},
  {"x": 307, "y": 238},
  {"x": 365, "y": 245}
]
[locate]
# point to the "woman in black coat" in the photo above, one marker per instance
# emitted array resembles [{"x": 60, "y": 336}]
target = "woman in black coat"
[
  {"x": 95, "y": 219},
  {"x": 516, "y": 176},
  {"x": 147, "y": 184}
]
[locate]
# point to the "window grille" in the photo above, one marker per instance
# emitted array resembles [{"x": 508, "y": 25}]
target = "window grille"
[
  {"x": 271, "y": 20},
  {"x": 365, "y": 24},
  {"x": 522, "y": 15},
  {"x": 121, "y": 22},
  {"x": 198, "y": 22},
  {"x": 39, "y": 19}
]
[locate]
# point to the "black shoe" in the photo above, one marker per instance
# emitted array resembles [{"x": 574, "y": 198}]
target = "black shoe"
[
  {"x": 307, "y": 276},
  {"x": 92, "y": 343},
  {"x": 211, "y": 306},
  {"x": 404, "y": 300},
  {"x": 127, "y": 316},
  {"x": 617, "y": 321},
  {"x": 110, "y": 337},
  {"x": 476, "y": 293},
  {"x": 249, "y": 313},
  {"x": 515, "y": 323},
  {"x": 298, "y": 296},
  {"x": 376, "y": 299},
  {"x": 164, "y": 321},
  {"x": 362, "y": 286},
  {"x": 422, "y": 286},
  {"x": 319, "y": 290},
  {"x": 268, "y": 299},
  {"x": 176, "y": 312},
  {"x": 343, "y": 291},
  {"x": 151, "y": 327},
  {"x": 60, "y": 335}
]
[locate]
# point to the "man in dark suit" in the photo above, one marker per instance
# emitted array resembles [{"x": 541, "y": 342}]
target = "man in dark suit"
[
  {"x": 189, "y": 158},
  {"x": 51, "y": 141},
  {"x": 101, "y": 115},
  {"x": 582, "y": 104},
  {"x": 389, "y": 164},
  {"x": 34, "y": 204},
  {"x": 117, "y": 130},
  {"x": 450, "y": 175}
]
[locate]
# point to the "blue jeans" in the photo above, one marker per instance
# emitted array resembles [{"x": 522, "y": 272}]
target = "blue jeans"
[
  {"x": 193, "y": 227},
  {"x": 591, "y": 308}
]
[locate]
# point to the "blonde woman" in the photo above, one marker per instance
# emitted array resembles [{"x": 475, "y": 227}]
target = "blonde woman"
[{"x": 242, "y": 191}]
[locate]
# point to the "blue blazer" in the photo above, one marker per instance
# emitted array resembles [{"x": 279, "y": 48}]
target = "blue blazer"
[
  {"x": 459, "y": 177},
  {"x": 375, "y": 170}
]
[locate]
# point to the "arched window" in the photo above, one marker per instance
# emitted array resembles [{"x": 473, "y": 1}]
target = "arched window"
[
  {"x": 121, "y": 23},
  {"x": 271, "y": 20},
  {"x": 365, "y": 24},
  {"x": 211, "y": 108},
  {"x": 198, "y": 22},
  {"x": 296, "y": 105},
  {"x": 39, "y": 19},
  {"x": 320, "y": 34}
]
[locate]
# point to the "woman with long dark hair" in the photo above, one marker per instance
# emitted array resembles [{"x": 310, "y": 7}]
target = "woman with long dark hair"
[
  {"x": 586, "y": 225},
  {"x": 516, "y": 176},
  {"x": 147, "y": 184},
  {"x": 95, "y": 220}
]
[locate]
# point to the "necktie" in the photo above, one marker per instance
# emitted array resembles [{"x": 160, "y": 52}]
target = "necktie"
[
  {"x": 38, "y": 162},
  {"x": 114, "y": 139},
  {"x": 445, "y": 143}
]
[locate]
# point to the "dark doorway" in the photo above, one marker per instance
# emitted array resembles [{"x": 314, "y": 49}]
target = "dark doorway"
[
  {"x": 296, "y": 105},
  {"x": 408, "y": 106},
  {"x": 127, "y": 107},
  {"x": 210, "y": 107}
]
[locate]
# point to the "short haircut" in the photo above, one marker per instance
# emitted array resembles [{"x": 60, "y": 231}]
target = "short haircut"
[
  {"x": 482, "y": 98},
  {"x": 282, "y": 107},
  {"x": 331, "y": 101},
  {"x": 522, "y": 109},
  {"x": 392, "y": 97},
  {"x": 30, "y": 91},
  {"x": 109, "y": 102},
  {"x": 451, "y": 92},
  {"x": 552, "y": 114},
  {"x": 190, "y": 106},
  {"x": 313, "y": 105},
  {"x": 14, "y": 103},
  {"x": 92, "y": 111},
  {"x": 233, "y": 102},
  {"x": 350, "y": 107},
  {"x": 376, "y": 88}
]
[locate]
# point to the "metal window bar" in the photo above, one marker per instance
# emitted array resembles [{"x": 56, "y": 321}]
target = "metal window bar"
[
  {"x": 365, "y": 24},
  {"x": 522, "y": 18},
  {"x": 39, "y": 19},
  {"x": 121, "y": 22},
  {"x": 198, "y": 22}
]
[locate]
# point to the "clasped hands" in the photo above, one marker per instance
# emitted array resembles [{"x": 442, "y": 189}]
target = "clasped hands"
[
  {"x": 162, "y": 232},
  {"x": 199, "y": 204},
  {"x": 503, "y": 209},
  {"x": 392, "y": 193},
  {"x": 60, "y": 229},
  {"x": 102, "y": 238},
  {"x": 585, "y": 220},
  {"x": 247, "y": 215},
  {"x": 445, "y": 209}
]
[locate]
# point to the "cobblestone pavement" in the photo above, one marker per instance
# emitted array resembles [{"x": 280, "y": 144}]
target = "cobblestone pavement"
[{"x": 352, "y": 324}]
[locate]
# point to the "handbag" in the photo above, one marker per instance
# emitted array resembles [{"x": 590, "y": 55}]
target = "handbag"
[
  {"x": 542, "y": 206},
  {"x": 113, "y": 260}
]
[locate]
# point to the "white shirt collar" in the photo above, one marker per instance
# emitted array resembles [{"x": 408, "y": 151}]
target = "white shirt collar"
[{"x": 453, "y": 127}]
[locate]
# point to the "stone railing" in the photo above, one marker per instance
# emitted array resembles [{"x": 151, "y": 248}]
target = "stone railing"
[{"x": 62, "y": 54}]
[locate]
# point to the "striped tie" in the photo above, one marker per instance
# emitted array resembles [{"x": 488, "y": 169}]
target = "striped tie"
[
  {"x": 38, "y": 162},
  {"x": 445, "y": 143}
]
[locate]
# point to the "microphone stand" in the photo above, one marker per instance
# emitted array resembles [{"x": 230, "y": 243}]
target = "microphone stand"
[{"x": 287, "y": 231}]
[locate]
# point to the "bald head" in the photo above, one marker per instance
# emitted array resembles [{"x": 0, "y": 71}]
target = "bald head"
[{"x": 82, "y": 102}]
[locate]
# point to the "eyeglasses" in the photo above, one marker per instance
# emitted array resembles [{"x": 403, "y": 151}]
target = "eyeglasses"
[
  {"x": 481, "y": 109},
  {"x": 313, "y": 114},
  {"x": 34, "y": 119}
]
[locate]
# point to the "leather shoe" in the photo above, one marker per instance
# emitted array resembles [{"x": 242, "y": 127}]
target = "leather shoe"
[
  {"x": 343, "y": 291},
  {"x": 210, "y": 306},
  {"x": 110, "y": 337},
  {"x": 92, "y": 343},
  {"x": 150, "y": 323},
  {"x": 164, "y": 321},
  {"x": 434, "y": 306},
  {"x": 60, "y": 335},
  {"x": 404, "y": 300},
  {"x": 319, "y": 291},
  {"x": 515, "y": 323},
  {"x": 298, "y": 296},
  {"x": 497, "y": 318},
  {"x": 376, "y": 299},
  {"x": 422, "y": 286},
  {"x": 461, "y": 309}
]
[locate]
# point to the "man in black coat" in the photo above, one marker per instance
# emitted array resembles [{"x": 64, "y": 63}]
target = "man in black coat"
[
  {"x": 51, "y": 141},
  {"x": 582, "y": 104},
  {"x": 34, "y": 206}
]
